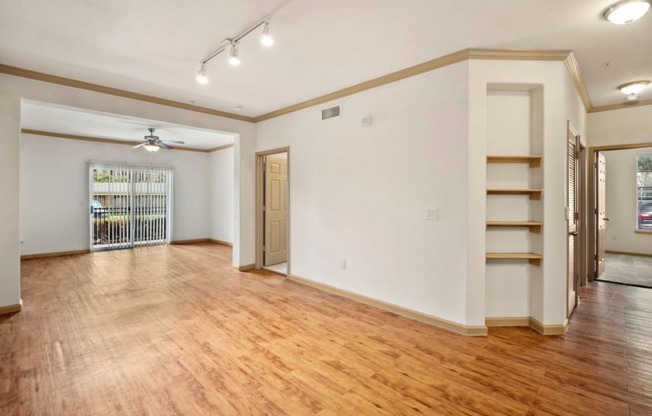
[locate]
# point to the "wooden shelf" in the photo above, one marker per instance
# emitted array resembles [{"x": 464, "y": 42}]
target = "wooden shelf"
[
  {"x": 534, "y": 259},
  {"x": 534, "y": 194},
  {"x": 532, "y": 160},
  {"x": 534, "y": 226}
]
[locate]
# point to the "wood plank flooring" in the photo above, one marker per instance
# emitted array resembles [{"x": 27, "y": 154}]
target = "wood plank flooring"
[{"x": 177, "y": 331}]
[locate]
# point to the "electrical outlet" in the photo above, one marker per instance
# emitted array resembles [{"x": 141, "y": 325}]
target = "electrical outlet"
[{"x": 343, "y": 265}]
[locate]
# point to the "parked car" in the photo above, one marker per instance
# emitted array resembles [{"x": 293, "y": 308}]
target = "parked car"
[
  {"x": 645, "y": 216},
  {"x": 98, "y": 210}
]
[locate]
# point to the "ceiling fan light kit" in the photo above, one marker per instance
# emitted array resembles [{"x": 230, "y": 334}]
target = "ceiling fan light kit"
[
  {"x": 152, "y": 147},
  {"x": 154, "y": 143},
  {"x": 627, "y": 11},
  {"x": 266, "y": 40}
]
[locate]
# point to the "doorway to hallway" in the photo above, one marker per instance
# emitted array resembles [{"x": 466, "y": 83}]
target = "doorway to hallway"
[
  {"x": 623, "y": 216},
  {"x": 273, "y": 209}
]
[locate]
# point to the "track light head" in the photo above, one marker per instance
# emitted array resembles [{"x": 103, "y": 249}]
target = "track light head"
[
  {"x": 201, "y": 76},
  {"x": 233, "y": 54},
  {"x": 265, "y": 38}
]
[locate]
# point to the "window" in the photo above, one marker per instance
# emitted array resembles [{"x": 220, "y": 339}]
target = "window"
[{"x": 644, "y": 191}]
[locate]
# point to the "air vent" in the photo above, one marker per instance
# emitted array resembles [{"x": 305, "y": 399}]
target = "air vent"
[{"x": 330, "y": 112}]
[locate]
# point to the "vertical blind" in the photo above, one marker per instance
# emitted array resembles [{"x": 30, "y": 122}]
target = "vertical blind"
[{"x": 130, "y": 205}]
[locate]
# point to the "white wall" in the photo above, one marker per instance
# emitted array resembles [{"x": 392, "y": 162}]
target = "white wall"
[
  {"x": 221, "y": 195},
  {"x": 54, "y": 190},
  {"x": 625, "y": 126},
  {"x": 9, "y": 207},
  {"x": 12, "y": 89},
  {"x": 359, "y": 193},
  {"x": 509, "y": 133},
  {"x": 622, "y": 205},
  {"x": 561, "y": 103}
]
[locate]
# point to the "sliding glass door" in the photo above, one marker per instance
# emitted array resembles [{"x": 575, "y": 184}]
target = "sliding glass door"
[{"x": 129, "y": 205}]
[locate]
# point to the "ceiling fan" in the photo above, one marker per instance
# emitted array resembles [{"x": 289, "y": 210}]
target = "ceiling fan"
[{"x": 154, "y": 143}]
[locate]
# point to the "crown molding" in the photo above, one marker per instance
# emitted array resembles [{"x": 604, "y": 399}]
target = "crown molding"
[
  {"x": 519, "y": 54},
  {"x": 620, "y": 106},
  {"x": 102, "y": 140},
  {"x": 566, "y": 56},
  {"x": 575, "y": 74},
  {"x": 217, "y": 149},
  {"x": 446, "y": 60},
  {"x": 69, "y": 82}
]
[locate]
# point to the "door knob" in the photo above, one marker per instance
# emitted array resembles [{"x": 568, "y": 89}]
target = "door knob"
[
  {"x": 606, "y": 219},
  {"x": 574, "y": 233}
]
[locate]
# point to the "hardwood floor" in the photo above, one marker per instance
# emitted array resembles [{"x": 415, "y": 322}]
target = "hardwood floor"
[{"x": 177, "y": 331}]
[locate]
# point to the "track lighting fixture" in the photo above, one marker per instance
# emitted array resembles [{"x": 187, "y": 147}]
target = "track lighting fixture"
[
  {"x": 233, "y": 54},
  {"x": 232, "y": 44},
  {"x": 626, "y": 11}
]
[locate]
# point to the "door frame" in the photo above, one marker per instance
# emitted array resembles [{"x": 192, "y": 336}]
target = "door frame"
[
  {"x": 592, "y": 186},
  {"x": 260, "y": 199},
  {"x": 580, "y": 205}
]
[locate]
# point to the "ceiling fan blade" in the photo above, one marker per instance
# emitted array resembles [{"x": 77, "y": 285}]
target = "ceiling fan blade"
[
  {"x": 139, "y": 145},
  {"x": 175, "y": 141},
  {"x": 163, "y": 145}
]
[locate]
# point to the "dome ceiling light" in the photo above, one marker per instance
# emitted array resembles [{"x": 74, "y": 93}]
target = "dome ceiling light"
[
  {"x": 633, "y": 89},
  {"x": 627, "y": 11}
]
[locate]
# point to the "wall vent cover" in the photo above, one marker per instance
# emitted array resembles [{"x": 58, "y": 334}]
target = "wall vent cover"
[{"x": 330, "y": 112}]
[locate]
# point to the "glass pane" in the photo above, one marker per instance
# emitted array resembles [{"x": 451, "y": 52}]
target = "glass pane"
[{"x": 644, "y": 190}]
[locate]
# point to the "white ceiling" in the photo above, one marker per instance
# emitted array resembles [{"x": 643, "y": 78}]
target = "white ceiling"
[
  {"x": 154, "y": 47},
  {"x": 67, "y": 120}
]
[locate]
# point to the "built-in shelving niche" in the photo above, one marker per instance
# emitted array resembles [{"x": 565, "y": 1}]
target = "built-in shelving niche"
[{"x": 514, "y": 208}]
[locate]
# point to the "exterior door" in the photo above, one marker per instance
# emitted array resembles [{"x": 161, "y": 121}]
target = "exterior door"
[
  {"x": 129, "y": 205},
  {"x": 276, "y": 210},
  {"x": 573, "y": 219},
  {"x": 601, "y": 216}
]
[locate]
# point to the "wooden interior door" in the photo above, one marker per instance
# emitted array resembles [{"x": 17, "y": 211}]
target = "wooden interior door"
[
  {"x": 601, "y": 217},
  {"x": 276, "y": 210},
  {"x": 573, "y": 219}
]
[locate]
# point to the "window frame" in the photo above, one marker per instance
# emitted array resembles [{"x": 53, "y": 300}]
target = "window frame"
[{"x": 643, "y": 195}]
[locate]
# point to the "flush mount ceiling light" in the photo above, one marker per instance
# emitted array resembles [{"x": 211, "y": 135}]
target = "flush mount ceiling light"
[
  {"x": 232, "y": 44},
  {"x": 633, "y": 89},
  {"x": 627, "y": 11}
]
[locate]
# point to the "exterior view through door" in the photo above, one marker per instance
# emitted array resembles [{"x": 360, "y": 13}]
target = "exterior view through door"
[
  {"x": 129, "y": 205},
  {"x": 275, "y": 212}
]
